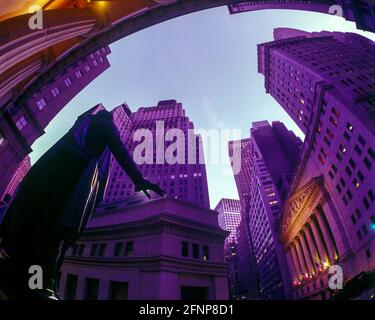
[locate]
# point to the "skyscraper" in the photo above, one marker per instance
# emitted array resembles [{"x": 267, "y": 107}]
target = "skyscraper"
[
  {"x": 274, "y": 154},
  {"x": 326, "y": 82},
  {"x": 229, "y": 217},
  {"x": 22, "y": 124},
  {"x": 247, "y": 271},
  {"x": 359, "y": 11},
  {"x": 181, "y": 173}
]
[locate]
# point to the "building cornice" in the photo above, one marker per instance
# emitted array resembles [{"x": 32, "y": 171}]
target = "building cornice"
[
  {"x": 152, "y": 225},
  {"x": 160, "y": 263}
]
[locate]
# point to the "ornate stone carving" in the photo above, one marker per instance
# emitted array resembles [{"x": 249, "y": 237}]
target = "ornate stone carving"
[{"x": 299, "y": 203}]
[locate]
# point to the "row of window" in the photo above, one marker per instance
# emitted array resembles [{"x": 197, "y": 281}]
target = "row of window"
[
  {"x": 68, "y": 82},
  {"x": 194, "y": 251},
  {"x": 99, "y": 249}
]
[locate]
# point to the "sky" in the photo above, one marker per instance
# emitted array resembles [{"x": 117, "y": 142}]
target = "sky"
[{"x": 208, "y": 62}]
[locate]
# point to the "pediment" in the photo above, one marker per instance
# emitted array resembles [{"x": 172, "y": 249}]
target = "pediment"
[{"x": 300, "y": 204}]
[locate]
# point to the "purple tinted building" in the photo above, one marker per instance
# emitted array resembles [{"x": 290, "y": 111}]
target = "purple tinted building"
[
  {"x": 229, "y": 217},
  {"x": 148, "y": 250},
  {"x": 186, "y": 179},
  {"x": 362, "y": 12},
  {"x": 274, "y": 154},
  {"x": 21, "y": 125},
  {"x": 326, "y": 83},
  {"x": 246, "y": 265}
]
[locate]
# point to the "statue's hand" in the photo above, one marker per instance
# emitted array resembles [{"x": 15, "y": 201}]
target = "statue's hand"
[
  {"x": 3, "y": 254},
  {"x": 147, "y": 185}
]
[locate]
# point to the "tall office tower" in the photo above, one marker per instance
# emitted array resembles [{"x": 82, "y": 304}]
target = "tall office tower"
[
  {"x": 248, "y": 287},
  {"x": 274, "y": 154},
  {"x": 326, "y": 82},
  {"x": 21, "y": 125},
  {"x": 175, "y": 153},
  {"x": 229, "y": 217},
  {"x": 362, "y": 12},
  {"x": 16, "y": 178}
]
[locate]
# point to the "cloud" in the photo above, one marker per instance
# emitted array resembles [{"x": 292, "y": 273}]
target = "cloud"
[{"x": 213, "y": 117}]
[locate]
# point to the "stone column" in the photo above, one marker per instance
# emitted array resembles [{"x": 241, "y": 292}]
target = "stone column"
[
  {"x": 314, "y": 255},
  {"x": 307, "y": 254},
  {"x": 104, "y": 290},
  {"x": 292, "y": 268},
  {"x": 318, "y": 259},
  {"x": 80, "y": 291},
  {"x": 301, "y": 257},
  {"x": 319, "y": 241},
  {"x": 295, "y": 260},
  {"x": 332, "y": 254}
]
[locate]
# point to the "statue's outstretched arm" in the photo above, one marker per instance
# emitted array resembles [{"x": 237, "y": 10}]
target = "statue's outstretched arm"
[{"x": 124, "y": 159}]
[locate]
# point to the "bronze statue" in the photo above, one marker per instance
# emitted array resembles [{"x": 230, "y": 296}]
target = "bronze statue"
[{"x": 55, "y": 200}]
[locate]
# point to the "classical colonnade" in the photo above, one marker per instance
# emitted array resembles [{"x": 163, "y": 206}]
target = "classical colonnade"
[{"x": 313, "y": 249}]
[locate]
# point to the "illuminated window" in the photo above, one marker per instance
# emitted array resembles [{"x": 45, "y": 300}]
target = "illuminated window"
[
  {"x": 68, "y": 82},
  {"x": 41, "y": 103},
  {"x": 78, "y": 74},
  {"x": 205, "y": 253},
  {"x": 273, "y": 202},
  {"x": 55, "y": 92},
  {"x": 21, "y": 123}
]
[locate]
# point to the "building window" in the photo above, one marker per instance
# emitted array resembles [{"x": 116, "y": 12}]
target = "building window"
[
  {"x": 55, "y": 92},
  {"x": 41, "y": 103},
  {"x": 102, "y": 249},
  {"x": 366, "y": 203},
  {"x": 118, "y": 248},
  {"x": 95, "y": 63},
  {"x": 2, "y": 139},
  {"x": 367, "y": 163},
  {"x": 74, "y": 250},
  {"x": 87, "y": 68},
  {"x": 94, "y": 250},
  {"x": 81, "y": 249},
  {"x": 184, "y": 249},
  {"x": 21, "y": 123},
  {"x": 129, "y": 249},
  {"x": 205, "y": 253},
  {"x": 68, "y": 82},
  {"x": 70, "y": 287},
  {"x": 361, "y": 140},
  {"x": 91, "y": 289},
  {"x": 78, "y": 74},
  {"x": 371, "y": 195},
  {"x": 119, "y": 291},
  {"x": 195, "y": 251},
  {"x": 364, "y": 229}
]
